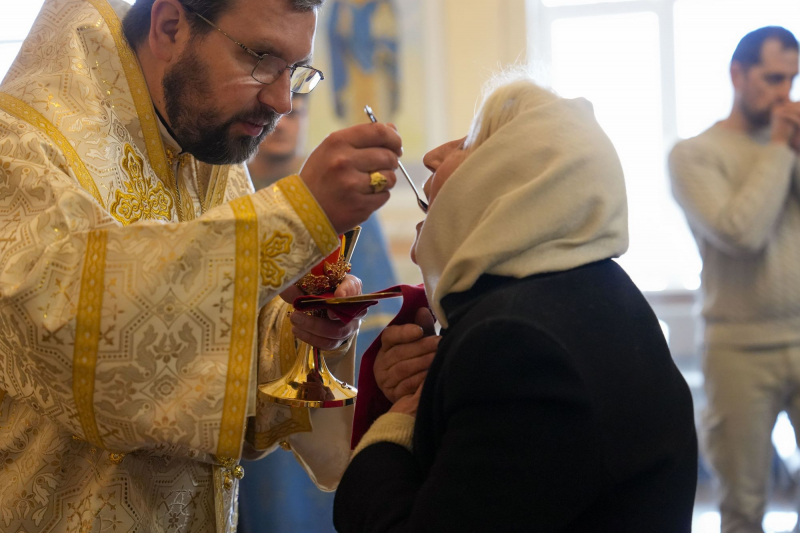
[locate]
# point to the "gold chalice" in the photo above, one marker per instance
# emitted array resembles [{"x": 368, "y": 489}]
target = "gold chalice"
[{"x": 309, "y": 383}]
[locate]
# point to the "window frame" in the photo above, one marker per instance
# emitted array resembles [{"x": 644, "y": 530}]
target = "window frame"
[{"x": 541, "y": 18}]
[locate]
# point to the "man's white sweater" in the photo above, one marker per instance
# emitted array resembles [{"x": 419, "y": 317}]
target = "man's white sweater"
[{"x": 741, "y": 197}]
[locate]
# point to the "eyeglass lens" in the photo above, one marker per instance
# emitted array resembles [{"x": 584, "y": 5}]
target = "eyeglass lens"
[{"x": 303, "y": 80}]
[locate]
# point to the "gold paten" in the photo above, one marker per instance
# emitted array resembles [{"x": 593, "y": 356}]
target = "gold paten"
[{"x": 356, "y": 299}]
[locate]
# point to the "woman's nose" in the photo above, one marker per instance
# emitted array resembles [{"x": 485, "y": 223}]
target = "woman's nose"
[{"x": 432, "y": 159}]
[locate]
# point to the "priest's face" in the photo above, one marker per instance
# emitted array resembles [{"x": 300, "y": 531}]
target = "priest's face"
[
  {"x": 442, "y": 161},
  {"x": 218, "y": 112}
]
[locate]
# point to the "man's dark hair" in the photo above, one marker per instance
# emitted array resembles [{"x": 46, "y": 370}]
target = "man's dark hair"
[
  {"x": 748, "y": 51},
  {"x": 137, "y": 22}
]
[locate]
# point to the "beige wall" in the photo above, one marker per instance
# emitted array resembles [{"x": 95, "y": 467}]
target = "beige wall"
[{"x": 479, "y": 37}]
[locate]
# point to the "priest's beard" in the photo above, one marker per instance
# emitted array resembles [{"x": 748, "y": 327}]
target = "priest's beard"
[{"x": 198, "y": 126}]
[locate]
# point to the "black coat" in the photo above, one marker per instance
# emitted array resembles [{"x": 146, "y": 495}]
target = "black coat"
[{"x": 552, "y": 404}]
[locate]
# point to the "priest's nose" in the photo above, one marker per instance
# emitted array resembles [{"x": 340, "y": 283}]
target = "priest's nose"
[{"x": 277, "y": 94}]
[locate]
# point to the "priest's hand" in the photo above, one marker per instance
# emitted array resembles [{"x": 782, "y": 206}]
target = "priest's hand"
[
  {"x": 404, "y": 358},
  {"x": 337, "y": 172},
  {"x": 325, "y": 333}
]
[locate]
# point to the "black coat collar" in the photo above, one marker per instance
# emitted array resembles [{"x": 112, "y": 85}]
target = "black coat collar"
[{"x": 457, "y": 304}]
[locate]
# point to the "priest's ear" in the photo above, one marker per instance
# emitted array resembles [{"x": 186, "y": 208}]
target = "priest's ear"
[{"x": 170, "y": 30}]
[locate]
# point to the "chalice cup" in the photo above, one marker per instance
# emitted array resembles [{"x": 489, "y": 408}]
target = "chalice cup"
[{"x": 309, "y": 383}]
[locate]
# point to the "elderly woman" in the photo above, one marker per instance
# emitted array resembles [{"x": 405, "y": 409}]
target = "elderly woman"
[{"x": 552, "y": 402}]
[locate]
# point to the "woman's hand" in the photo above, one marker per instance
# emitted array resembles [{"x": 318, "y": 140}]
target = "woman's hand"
[
  {"x": 404, "y": 358},
  {"x": 407, "y": 405},
  {"x": 325, "y": 333}
]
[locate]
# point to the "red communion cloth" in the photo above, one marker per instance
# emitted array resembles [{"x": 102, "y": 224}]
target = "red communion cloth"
[{"x": 371, "y": 402}]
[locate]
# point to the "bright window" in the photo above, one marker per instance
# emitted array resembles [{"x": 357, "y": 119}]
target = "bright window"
[
  {"x": 656, "y": 71},
  {"x": 14, "y": 26},
  {"x": 621, "y": 75},
  {"x": 15, "y": 23}
]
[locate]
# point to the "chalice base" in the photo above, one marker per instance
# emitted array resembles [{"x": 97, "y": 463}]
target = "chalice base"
[{"x": 309, "y": 384}]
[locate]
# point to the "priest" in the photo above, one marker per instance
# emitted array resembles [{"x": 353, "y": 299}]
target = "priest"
[{"x": 140, "y": 274}]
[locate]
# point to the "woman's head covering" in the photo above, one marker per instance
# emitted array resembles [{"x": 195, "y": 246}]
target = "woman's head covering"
[{"x": 542, "y": 190}]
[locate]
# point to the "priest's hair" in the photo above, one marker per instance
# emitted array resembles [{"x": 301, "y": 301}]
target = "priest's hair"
[{"x": 136, "y": 24}]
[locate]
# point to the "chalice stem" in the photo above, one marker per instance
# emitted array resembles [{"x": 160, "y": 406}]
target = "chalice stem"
[{"x": 309, "y": 383}]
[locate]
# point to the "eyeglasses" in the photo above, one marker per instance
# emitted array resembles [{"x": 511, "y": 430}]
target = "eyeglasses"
[{"x": 269, "y": 67}]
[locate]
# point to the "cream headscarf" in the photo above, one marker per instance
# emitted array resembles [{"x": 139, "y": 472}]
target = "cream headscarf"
[{"x": 542, "y": 191}]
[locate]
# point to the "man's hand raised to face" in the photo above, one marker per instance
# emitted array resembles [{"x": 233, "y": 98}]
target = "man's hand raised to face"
[
  {"x": 337, "y": 172},
  {"x": 786, "y": 125}
]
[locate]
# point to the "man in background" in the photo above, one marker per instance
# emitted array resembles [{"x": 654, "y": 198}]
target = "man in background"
[
  {"x": 739, "y": 186},
  {"x": 279, "y": 154}
]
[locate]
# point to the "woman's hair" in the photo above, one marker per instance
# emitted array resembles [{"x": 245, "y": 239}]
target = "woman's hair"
[{"x": 506, "y": 95}]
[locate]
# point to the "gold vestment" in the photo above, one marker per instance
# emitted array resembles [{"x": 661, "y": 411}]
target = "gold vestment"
[{"x": 138, "y": 308}]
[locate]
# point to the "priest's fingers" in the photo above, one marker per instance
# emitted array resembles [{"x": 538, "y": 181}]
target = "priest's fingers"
[
  {"x": 324, "y": 327},
  {"x": 321, "y": 333},
  {"x": 337, "y": 172},
  {"x": 290, "y": 293},
  {"x": 350, "y": 286},
  {"x": 379, "y": 134},
  {"x": 371, "y": 159},
  {"x": 317, "y": 341},
  {"x": 359, "y": 316}
]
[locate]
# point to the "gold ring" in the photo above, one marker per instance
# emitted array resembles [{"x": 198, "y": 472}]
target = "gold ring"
[{"x": 377, "y": 181}]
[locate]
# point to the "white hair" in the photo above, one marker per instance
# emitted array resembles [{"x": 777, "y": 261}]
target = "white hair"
[{"x": 505, "y": 95}]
